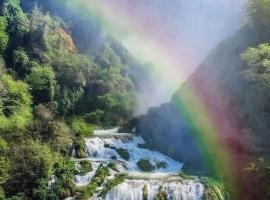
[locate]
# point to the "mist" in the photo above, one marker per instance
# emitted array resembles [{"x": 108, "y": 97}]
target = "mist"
[{"x": 193, "y": 28}]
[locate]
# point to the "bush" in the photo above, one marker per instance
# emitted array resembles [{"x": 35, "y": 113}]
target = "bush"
[
  {"x": 110, "y": 184},
  {"x": 145, "y": 165},
  {"x": 29, "y": 161},
  {"x": 61, "y": 138},
  {"x": 43, "y": 83},
  {"x": 79, "y": 147},
  {"x": 101, "y": 174},
  {"x": 85, "y": 167},
  {"x": 96, "y": 117},
  {"x": 65, "y": 172},
  {"x": 86, "y": 192},
  {"x": 81, "y": 128},
  {"x": 15, "y": 105},
  {"x": 113, "y": 166}
]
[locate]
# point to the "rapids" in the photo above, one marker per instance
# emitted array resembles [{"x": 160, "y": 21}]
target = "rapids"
[{"x": 103, "y": 148}]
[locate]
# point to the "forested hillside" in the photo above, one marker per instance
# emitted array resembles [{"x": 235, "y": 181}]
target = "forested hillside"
[
  {"x": 55, "y": 88},
  {"x": 239, "y": 67}
]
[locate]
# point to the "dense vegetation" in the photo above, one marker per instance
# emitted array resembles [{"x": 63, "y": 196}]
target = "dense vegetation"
[{"x": 54, "y": 90}]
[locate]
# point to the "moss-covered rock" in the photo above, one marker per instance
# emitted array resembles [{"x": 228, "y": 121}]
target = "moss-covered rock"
[
  {"x": 162, "y": 194},
  {"x": 79, "y": 147},
  {"x": 145, "y": 192},
  {"x": 160, "y": 165},
  {"x": 145, "y": 165},
  {"x": 123, "y": 153},
  {"x": 113, "y": 166}
]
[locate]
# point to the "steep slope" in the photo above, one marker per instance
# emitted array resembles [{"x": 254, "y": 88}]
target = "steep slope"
[{"x": 165, "y": 129}]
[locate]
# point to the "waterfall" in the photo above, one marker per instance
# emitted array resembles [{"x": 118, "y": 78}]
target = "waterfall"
[
  {"x": 103, "y": 148},
  {"x": 133, "y": 190}
]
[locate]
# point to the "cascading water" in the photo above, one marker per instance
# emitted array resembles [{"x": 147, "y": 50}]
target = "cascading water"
[
  {"x": 133, "y": 190},
  {"x": 104, "y": 147}
]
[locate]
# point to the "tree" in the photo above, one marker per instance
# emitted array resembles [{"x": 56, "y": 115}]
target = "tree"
[
  {"x": 43, "y": 83},
  {"x": 20, "y": 62},
  {"x": 16, "y": 19},
  {"x": 259, "y": 11},
  {"x": 257, "y": 95}
]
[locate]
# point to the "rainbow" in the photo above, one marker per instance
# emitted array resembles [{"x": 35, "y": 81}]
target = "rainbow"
[{"x": 200, "y": 101}]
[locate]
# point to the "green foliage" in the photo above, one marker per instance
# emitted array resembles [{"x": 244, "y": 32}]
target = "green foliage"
[
  {"x": 21, "y": 62},
  {"x": 61, "y": 137},
  {"x": 4, "y": 39},
  {"x": 101, "y": 173},
  {"x": 110, "y": 184},
  {"x": 87, "y": 192},
  {"x": 113, "y": 166},
  {"x": 96, "y": 117},
  {"x": 185, "y": 176},
  {"x": 29, "y": 161},
  {"x": 64, "y": 171},
  {"x": 213, "y": 190},
  {"x": 258, "y": 65},
  {"x": 4, "y": 161},
  {"x": 16, "y": 18},
  {"x": 79, "y": 147},
  {"x": 259, "y": 11},
  {"x": 42, "y": 191},
  {"x": 43, "y": 83},
  {"x": 85, "y": 167},
  {"x": 145, "y": 165},
  {"x": 82, "y": 128},
  {"x": 257, "y": 75},
  {"x": 15, "y": 105},
  {"x": 107, "y": 58}
]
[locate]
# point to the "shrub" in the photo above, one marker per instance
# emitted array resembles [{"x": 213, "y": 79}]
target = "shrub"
[
  {"x": 79, "y": 146},
  {"x": 110, "y": 184},
  {"x": 15, "y": 105},
  {"x": 85, "y": 166},
  {"x": 43, "y": 83},
  {"x": 61, "y": 138},
  {"x": 113, "y": 166},
  {"x": 81, "y": 128},
  {"x": 86, "y": 192},
  {"x": 101, "y": 174}
]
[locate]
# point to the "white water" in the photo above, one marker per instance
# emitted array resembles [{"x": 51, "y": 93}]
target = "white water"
[
  {"x": 133, "y": 190},
  {"x": 100, "y": 151}
]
